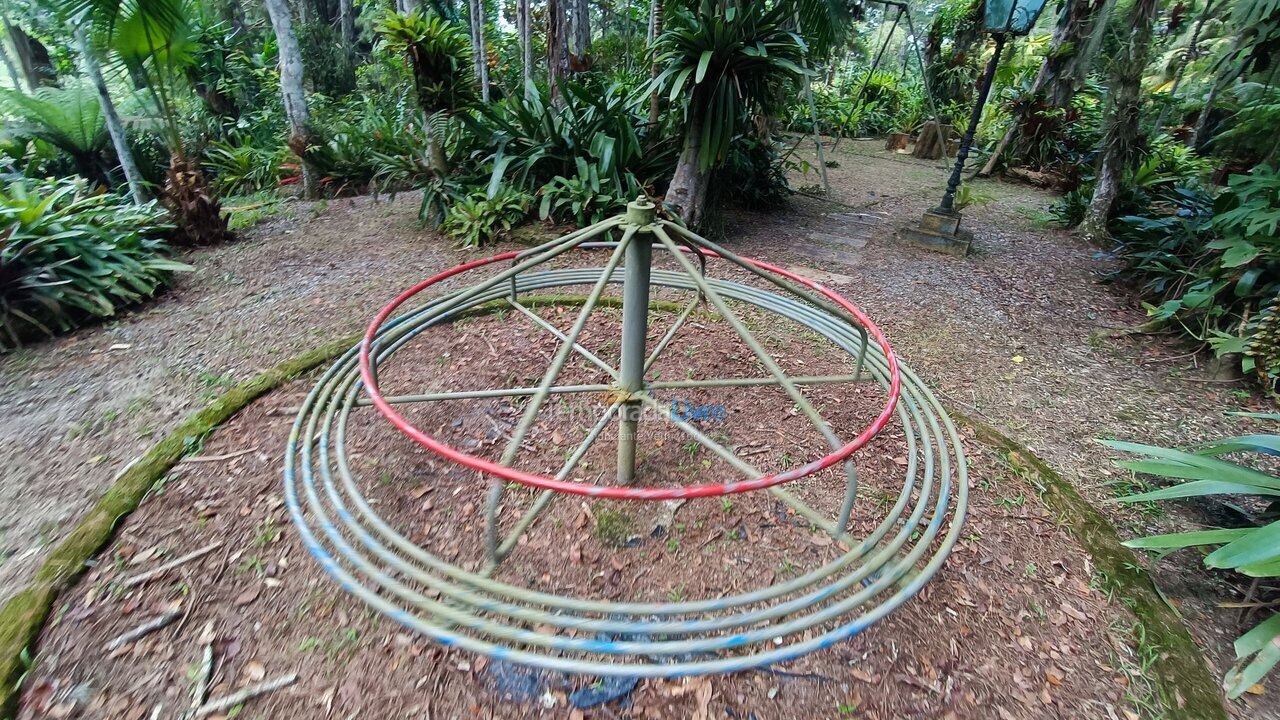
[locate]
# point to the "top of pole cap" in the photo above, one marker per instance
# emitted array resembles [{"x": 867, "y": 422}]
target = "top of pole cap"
[{"x": 641, "y": 211}]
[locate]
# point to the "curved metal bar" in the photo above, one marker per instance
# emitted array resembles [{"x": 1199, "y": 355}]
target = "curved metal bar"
[{"x": 866, "y": 580}]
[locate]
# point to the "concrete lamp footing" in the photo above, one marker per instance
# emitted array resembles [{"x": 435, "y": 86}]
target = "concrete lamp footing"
[{"x": 939, "y": 231}]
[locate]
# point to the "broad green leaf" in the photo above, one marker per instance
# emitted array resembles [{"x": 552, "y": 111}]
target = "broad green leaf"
[
  {"x": 1261, "y": 545},
  {"x": 1177, "y": 541}
]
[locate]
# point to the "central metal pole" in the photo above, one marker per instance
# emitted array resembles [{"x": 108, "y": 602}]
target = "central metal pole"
[
  {"x": 953, "y": 184},
  {"x": 635, "y": 329}
]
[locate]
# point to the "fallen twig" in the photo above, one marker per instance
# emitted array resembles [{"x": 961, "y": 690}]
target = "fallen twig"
[
  {"x": 216, "y": 458},
  {"x": 144, "y": 629},
  {"x": 156, "y": 572},
  {"x": 201, "y": 691},
  {"x": 239, "y": 697}
]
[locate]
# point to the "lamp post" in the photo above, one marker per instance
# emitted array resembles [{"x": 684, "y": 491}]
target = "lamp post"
[{"x": 940, "y": 227}]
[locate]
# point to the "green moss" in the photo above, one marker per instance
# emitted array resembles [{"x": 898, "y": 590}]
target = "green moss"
[
  {"x": 24, "y": 614},
  {"x": 1183, "y": 681},
  {"x": 613, "y": 528}
]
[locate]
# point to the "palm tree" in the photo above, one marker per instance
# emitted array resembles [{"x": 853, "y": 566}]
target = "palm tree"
[
  {"x": 155, "y": 40},
  {"x": 725, "y": 66},
  {"x": 72, "y": 119}
]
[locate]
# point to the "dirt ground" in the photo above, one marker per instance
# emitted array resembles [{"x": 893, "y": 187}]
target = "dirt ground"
[{"x": 1017, "y": 334}]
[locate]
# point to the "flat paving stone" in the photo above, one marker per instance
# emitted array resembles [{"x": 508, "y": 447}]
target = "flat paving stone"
[
  {"x": 856, "y": 243},
  {"x": 828, "y": 255}
]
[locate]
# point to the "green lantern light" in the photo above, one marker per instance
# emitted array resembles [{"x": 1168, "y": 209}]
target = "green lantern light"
[{"x": 1015, "y": 17}]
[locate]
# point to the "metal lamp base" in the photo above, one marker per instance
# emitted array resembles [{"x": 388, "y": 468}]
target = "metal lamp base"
[{"x": 939, "y": 231}]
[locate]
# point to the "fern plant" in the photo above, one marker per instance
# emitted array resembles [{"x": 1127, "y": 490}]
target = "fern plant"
[{"x": 69, "y": 118}]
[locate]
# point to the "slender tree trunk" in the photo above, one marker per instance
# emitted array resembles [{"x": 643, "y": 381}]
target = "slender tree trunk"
[
  {"x": 14, "y": 77},
  {"x": 1060, "y": 76},
  {"x": 1125, "y": 101},
  {"x": 655, "y": 29},
  {"x": 115, "y": 128},
  {"x": 479, "y": 57},
  {"x": 347, "y": 24},
  {"x": 687, "y": 194},
  {"x": 1190, "y": 54},
  {"x": 1230, "y": 71},
  {"x": 406, "y": 6},
  {"x": 524, "y": 22},
  {"x": 295, "y": 98},
  {"x": 557, "y": 47},
  {"x": 579, "y": 34},
  {"x": 33, "y": 57},
  {"x": 235, "y": 16}
]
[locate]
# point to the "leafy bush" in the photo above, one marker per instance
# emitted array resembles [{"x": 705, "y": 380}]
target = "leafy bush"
[
  {"x": 1252, "y": 550},
  {"x": 476, "y": 220},
  {"x": 67, "y": 255},
  {"x": 583, "y": 198},
  {"x": 533, "y": 142},
  {"x": 439, "y": 53},
  {"x": 1215, "y": 266},
  {"x": 242, "y": 168}
]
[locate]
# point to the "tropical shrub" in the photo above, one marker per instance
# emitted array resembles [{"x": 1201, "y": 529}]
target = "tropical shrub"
[
  {"x": 239, "y": 169},
  {"x": 477, "y": 219},
  {"x": 1214, "y": 266},
  {"x": 1252, "y": 550},
  {"x": 534, "y": 142},
  {"x": 68, "y": 255}
]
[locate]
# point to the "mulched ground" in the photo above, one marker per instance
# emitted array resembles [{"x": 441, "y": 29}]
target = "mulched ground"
[
  {"x": 1011, "y": 628},
  {"x": 1020, "y": 334}
]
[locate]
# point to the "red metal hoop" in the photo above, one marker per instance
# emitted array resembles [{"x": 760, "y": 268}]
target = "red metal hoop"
[{"x": 612, "y": 491}]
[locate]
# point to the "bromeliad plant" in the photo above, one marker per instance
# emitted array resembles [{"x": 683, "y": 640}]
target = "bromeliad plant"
[
  {"x": 1253, "y": 551},
  {"x": 477, "y": 219},
  {"x": 67, "y": 255},
  {"x": 723, "y": 68}
]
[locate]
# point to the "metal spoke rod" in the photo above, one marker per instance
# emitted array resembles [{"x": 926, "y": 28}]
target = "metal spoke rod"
[
  {"x": 780, "y": 282},
  {"x": 590, "y": 356},
  {"x": 767, "y": 360},
  {"x": 497, "y": 553},
  {"x": 749, "y": 382}
]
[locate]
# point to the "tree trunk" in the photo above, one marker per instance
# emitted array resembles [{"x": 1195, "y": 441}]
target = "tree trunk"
[
  {"x": 347, "y": 24},
  {"x": 13, "y": 69},
  {"x": 197, "y": 215},
  {"x": 235, "y": 16},
  {"x": 295, "y": 98},
  {"x": 1125, "y": 101},
  {"x": 523, "y": 23},
  {"x": 687, "y": 194},
  {"x": 406, "y": 6},
  {"x": 33, "y": 57},
  {"x": 1063, "y": 71},
  {"x": 579, "y": 34},
  {"x": 655, "y": 29},
  {"x": 111, "y": 118},
  {"x": 557, "y": 47},
  {"x": 1229, "y": 72},
  {"x": 1190, "y": 54},
  {"x": 479, "y": 57}
]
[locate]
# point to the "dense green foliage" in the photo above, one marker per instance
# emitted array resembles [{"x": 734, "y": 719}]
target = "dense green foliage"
[
  {"x": 68, "y": 254},
  {"x": 1253, "y": 550}
]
